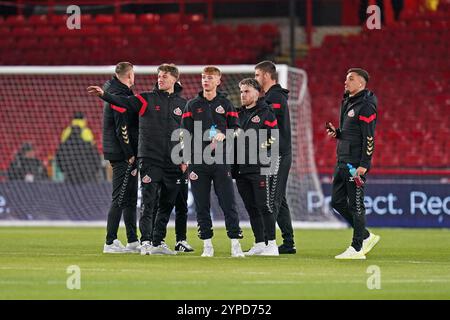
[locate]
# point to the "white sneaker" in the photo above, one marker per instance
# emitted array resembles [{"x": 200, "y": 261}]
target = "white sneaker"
[
  {"x": 133, "y": 247},
  {"x": 162, "y": 249},
  {"x": 208, "y": 251},
  {"x": 271, "y": 249},
  {"x": 256, "y": 250},
  {"x": 351, "y": 254},
  {"x": 370, "y": 242},
  {"x": 236, "y": 250},
  {"x": 146, "y": 248},
  {"x": 115, "y": 247}
]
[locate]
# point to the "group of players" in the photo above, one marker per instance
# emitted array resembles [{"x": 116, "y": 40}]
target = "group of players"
[{"x": 138, "y": 136}]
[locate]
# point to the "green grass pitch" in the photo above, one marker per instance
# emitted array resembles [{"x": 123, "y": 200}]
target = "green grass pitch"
[{"x": 414, "y": 264}]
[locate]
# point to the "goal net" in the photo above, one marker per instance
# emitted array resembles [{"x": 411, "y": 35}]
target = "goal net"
[{"x": 40, "y": 106}]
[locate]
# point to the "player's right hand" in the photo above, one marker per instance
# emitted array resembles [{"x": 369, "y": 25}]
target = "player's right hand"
[
  {"x": 219, "y": 137},
  {"x": 131, "y": 160},
  {"x": 95, "y": 91},
  {"x": 331, "y": 130}
]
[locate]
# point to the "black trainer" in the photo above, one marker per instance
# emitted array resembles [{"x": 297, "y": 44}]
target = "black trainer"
[
  {"x": 183, "y": 246},
  {"x": 287, "y": 249}
]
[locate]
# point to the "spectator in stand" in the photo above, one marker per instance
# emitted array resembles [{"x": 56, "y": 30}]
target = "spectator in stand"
[
  {"x": 78, "y": 160},
  {"x": 79, "y": 121},
  {"x": 26, "y": 166}
]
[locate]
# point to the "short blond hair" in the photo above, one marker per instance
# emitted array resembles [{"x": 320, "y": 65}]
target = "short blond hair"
[
  {"x": 122, "y": 68},
  {"x": 212, "y": 70}
]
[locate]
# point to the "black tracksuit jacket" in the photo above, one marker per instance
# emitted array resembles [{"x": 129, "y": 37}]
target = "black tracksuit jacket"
[
  {"x": 356, "y": 135},
  {"x": 277, "y": 98},
  {"x": 259, "y": 117},
  {"x": 159, "y": 115},
  {"x": 219, "y": 112},
  {"x": 120, "y": 128}
]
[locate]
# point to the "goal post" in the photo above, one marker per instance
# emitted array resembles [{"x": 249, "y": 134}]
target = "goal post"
[{"x": 39, "y": 102}]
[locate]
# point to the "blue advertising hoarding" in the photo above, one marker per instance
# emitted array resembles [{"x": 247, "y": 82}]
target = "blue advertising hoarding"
[{"x": 389, "y": 203}]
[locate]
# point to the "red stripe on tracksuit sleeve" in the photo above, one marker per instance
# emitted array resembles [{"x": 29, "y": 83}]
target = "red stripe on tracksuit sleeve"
[
  {"x": 144, "y": 104},
  {"x": 276, "y": 105},
  {"x": 118, "y": 109},
  {"x": 232, "y": 114},
  {"x": 271, "y": 124},
  {"x": 369, "y": 119},
  {"x": 186, "y": 115}
]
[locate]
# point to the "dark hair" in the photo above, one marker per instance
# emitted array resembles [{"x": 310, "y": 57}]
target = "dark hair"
[
  {"x": 78, "y": 115},
  {"x": 123, "y": 67},
  {"x": 361, "y": 72},
  {"x": 250, "y": 82},
  {"x": 268, "y": 67},
  {"x": 26, "y": 146},
  {"x": 170, "y": 68}
]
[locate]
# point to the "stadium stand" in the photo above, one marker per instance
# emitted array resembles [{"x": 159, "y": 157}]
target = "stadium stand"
[
  {"x": 410, "y": 70},
  {"x": 103, "y": 39}
]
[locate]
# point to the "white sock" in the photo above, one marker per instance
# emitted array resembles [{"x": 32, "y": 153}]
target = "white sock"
[
  {"x": 234, "y": 242},
  {"x": 207, "y": 243}
]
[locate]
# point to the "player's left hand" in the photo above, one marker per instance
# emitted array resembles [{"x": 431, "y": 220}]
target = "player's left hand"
[
  {"x": 361, "y": 171},
  {"x": 95, "y": 91},
  {"x": 183, "y": 167}
]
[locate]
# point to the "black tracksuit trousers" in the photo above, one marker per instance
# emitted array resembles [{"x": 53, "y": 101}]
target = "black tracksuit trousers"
[
  {"x": 160, "y": 188},
  {"x": 348, "y": 200},
  {"x": 201, "y": 177},
  {"x": 253, "y": 191},
  {"x": 280, "y": 205},
  {"x": 181, "y": 207},
  {"x": 128, "y": 203}
]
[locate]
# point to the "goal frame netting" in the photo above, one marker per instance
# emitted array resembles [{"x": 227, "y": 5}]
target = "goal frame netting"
[{"x": 286, "y": 75}]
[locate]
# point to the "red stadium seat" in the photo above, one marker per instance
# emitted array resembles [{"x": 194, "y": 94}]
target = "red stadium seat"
[
  {"x": 38, "y": 20},
  {"x": 171, "y": 18},
  {"x": 108, "y": 31},
  {"x": 45, "y": 31},
  {"x": 58, "y": 20},
  {"x": 27, "y": 43},
  {"x": 104, "y": 19},
  {"x": 22, "y": 32},
  {"x": 125, "y": 19},
  {"x": 18, "y": 20},
  {"x": 201, "y": 31},
  {"x": 194, "y": 19},
  {"x": 148, "y": 19},
  {"x": 269, "y": 30},
  {"x": 133, "y": 30}
]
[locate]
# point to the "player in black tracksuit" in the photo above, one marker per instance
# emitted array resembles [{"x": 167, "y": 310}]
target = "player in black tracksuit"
[
  {"x": 157, "y": 110},
  {"x": 252, "y": 183},
  {"x": 120, "y": 143},
  {"x": 211, "y": 109},
  {"x": 277, "y": 98},
  {"x": 355, "y": 137}
]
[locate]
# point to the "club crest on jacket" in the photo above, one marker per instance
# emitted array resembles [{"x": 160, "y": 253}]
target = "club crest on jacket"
[
  {"x": 193, "y": 176},
  {"x": 178, "y": 111},
  {"x": 146, "y": 179},
  {"x": 351, "y": 113},
  {"x": 220, "y": 110},
  {"x": 256, "y": 119}
]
